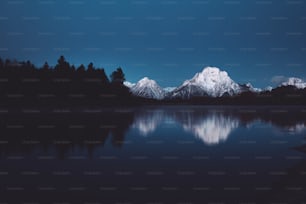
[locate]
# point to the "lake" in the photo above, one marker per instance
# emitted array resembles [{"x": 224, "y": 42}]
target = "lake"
[{"x": 166, "y": 154}]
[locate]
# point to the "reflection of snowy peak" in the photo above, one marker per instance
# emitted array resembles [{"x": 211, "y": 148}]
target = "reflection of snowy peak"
[
  {"x": 297, "y": 128},
  {"x": 148, "y": 88},
  {"x": 208, "y": 125},
  {"x": 211, "y": 129},
  {"x": 210, "y": 82},
  {"x": 292, "y": 81},
  {"x": 147, "y": 122}
]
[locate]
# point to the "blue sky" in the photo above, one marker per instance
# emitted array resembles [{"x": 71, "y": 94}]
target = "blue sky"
[{"x": 167, "y": 40}]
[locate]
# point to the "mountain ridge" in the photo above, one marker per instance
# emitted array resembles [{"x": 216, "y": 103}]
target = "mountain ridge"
[
  {"x": 211, "y": 82},
  {"x": 148, "y": 88}
]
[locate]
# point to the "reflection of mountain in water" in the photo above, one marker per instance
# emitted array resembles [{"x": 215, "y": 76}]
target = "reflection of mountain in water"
[
  {"x": 297, "y": 128},
  {"x": 211, "y": 128},
  {"x": 146, "y": 122},
  {"x": 25, "y": 132},
  {"x": 215, "y": 126}
]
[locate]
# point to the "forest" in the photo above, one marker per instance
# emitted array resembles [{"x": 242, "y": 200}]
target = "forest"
[{"x": 23, "y": 84}]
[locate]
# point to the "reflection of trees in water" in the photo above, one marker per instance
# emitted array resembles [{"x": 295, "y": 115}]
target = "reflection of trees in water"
[{"x": 22, "y": 133}]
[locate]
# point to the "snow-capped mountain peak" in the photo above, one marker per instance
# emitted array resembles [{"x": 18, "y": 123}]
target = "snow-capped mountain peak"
[
  {"x": 148, "y": 88},
  {"x": 293, "y": 81},
  {"x": 129, "y": 84},
  {"x": 210, "y": 82},
  {"x": 252, "y": 88},
  {"x": 268, "y": 88},
  {"x": 210, "y": 76},
  {"x": 146, "y": 81},
  {"x": 169, "y": 89}
]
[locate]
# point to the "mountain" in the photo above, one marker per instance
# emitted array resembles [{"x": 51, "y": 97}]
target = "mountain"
[
  {"x": 268, "y": 88},
  {"x": 129, "y": 84},
  {"x": 210, "y": 82},
  {"x": 148, "y": 88},
  {"x": 248, "y": 87},
  {"x": 169, "y": 89},
  {"x": 252, "y": 88},
  {"x": 293, "y": 81}
]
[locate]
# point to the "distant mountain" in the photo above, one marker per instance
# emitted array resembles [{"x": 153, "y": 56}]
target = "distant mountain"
[
  {"x": 129, "y": 84},
  {"x": 252, "y": 88},
  {"x": 148, "y": 88},
  {"x": 169, "y": 89},
  {"x": 210, "y": 82},
  {"x": 296, "y": 82},
  {"x": 268, "y": 88},
  {"x": 248, "y": 87}
]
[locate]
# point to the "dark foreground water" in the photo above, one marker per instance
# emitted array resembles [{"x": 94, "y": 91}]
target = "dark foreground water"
[{"x": 154, "y": 155}]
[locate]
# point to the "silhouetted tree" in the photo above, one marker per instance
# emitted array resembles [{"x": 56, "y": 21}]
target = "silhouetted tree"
[
  {"x": 26, "y": 65},
  {"x": 104, "y": 77},
  {"x": 62, "y": 64},
  {"x": 7, "y": 63},
  {"x": 1, "y": 64},
  {"x": 90, "y": 67},
  {"x": 72, "y": 68},
  {"x": 117, "y": 77},
  {"x": 81, "y": 68},
  {"x": 45, "y": 67}
]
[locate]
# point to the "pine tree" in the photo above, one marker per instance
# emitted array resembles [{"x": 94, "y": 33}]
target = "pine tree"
[
  {"x": 81, "y": 68},
  {"x": 90, "y": 67},
  {"x": 62, "y": 64},
  {"x": 117, "y": 77},
  {"x": 1, "y": 64},
  {"x": 45, "y": 67}
]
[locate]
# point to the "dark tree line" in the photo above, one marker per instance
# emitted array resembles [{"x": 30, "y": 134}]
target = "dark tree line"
[
  {"x": 67, "y": 84},
  {"x": 62, "y": 68}
]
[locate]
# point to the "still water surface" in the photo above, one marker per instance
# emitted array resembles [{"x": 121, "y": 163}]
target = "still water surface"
[{"x": 173, "y": 154}]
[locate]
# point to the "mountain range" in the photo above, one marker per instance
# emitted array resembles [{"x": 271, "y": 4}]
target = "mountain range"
[{"x": 211, "y": 82}]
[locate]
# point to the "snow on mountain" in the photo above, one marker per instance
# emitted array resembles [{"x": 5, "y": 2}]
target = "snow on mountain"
[
  {"x": 169, "y": 89},
  {"x": 210, "y": 82},
  {"x": 148, "y": 88},
  {"x": 293, "y": 81},
  {"x": 252, "y": 88},
  {"x": 249, "y": 87},
  {"x": 268, "y": 88},
  {"x": 129, "y": 84}
]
